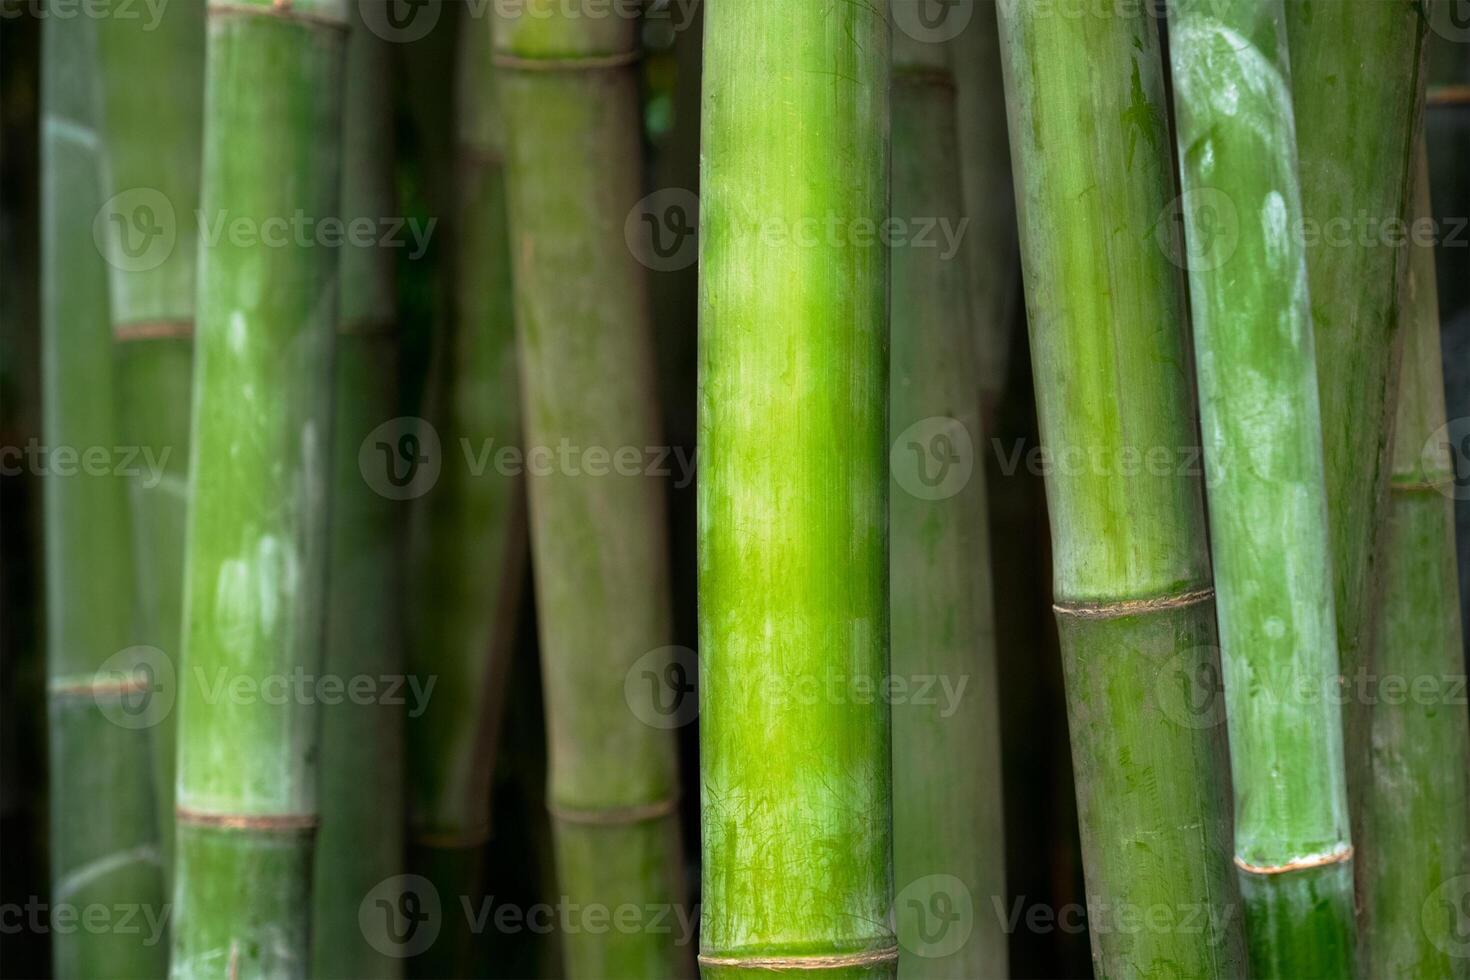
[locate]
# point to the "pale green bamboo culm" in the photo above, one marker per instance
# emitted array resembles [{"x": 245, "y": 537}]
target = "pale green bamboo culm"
[
  {"x": 1417, "y": 873},
  {"x": 361, "y": 774},
  {"x": 103, "y": 834},
  {"x": 1268, "y": 506},
  {"x": 1090, "y": 151},
  {"x": 256, "y": 541},
  {"x": 948, "y": 834},
  {"x": 153, "y": 113},
  {"x": 569, "y": 94},
  {"x": 795, "y": 748}
]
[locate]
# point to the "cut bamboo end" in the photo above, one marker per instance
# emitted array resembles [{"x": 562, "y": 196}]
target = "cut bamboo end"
[
  {"x": 270, "y": 823},
  {"x": 1133, "y": 607},
  {"x": 99, "y": 686},
  {"x": 614, "y": 816},
  {"x": 1447, "y": 95},
  {"x": 840, "y": 961},
  {"x": 278, "y": 11},
  {"x": 1300, "y": 864},
  {"x": 153, "y": 330},
  {"x": 510, "y": 62}
]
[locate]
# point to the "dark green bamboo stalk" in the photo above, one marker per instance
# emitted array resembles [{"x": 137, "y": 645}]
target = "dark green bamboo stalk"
[
  {"x": 1358, "y": 92},
  {"x": 104, "y": 840},
  {"x": 1416, "y": 875},
  {"x": 793, "y": 492},
  {"x": 1134, "y": 605},
  {"x": 470, "y": 530},
  {"x": 1268, "y": 507},
  {"x": 949, "y": 852},
  {"x": 153, "y": 112},
  {"x": 361, "y": 839},
  {"x": 569, "y": 95},
  {"x": 255, "y": 597}
]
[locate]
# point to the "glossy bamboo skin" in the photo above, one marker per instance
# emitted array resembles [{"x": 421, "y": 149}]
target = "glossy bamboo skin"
[
  {"x": 257, "y": 544},
  {"x": 1090, "y": 151}
]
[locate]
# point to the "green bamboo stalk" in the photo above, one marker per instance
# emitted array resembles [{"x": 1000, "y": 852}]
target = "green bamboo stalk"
[
  {"x": 256, "y": 543},
  {"x": 153, "y": 112},
  {"x": 361, "y": 774},
  {"x": 470, "y": 529},
  {"x": 948, "y": 846},
  {"x": 1416, "y": 874},
  {"x": 1268, "y": 508},
  {"x": 104, "y": 840},
  {"x": 1090, "y": 149},
  {"x": 793, "y": 494},
  {"x": 1358, "y": 93},
  {"x": 570, "y": 99}
]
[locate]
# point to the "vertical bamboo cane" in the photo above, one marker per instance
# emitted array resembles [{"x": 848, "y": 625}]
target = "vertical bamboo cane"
[
  {"x": 470, "y": 530},
  {"x": 949, "y": 852},
  {"x": 599, "y": 542},
  {"x": 361, "y": 839},
  {"x": 1416, "y": 875},
  {"x": 793, "y": 557},
  {"x": 153, "y": 113},
  {"x": 1355, "y": 141},
  {"x": 1133, "y": 599},
  {"x": 256, "y": 547},
  {"x": 104, "y": 841},
  {"x": 1268, "y": 509}
]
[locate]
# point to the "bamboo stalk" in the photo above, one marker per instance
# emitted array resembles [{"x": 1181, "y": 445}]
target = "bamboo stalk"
[
  {"x": 1417, "y": 872},
  {"x": 361, "y": 773},
  {"x": 793, "y": 557},
  {"x": 949, "y": 853},
  {"x": 599, "y": 542},
  {"x": 1268, "y": 510},
  {"x": 470, "y": 530},
  {"x": 1355, "y": 137},
  {"x": 104, "y": 840},
  {"x": 254, "y": 601},
  {"x": 153, "y": 115},
  {"x": 1134, "y": 605}
]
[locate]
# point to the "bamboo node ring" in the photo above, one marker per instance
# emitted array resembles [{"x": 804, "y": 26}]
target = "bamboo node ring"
[
  {"x": 295, "y": 823},
  {"x": 1133, "y": 607},
  {"x": 279, "y": 11},
  {"x": 587, "y": 63},
  {"x": 614, "y": 816},
  {"x": 870, "y": 957},
  {"x": 1300, "y": 864},
  {"x": 153, "y": 330}
]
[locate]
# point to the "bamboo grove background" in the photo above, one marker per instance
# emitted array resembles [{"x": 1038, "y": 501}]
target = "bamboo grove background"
[{"x": 1149, "y": 724}]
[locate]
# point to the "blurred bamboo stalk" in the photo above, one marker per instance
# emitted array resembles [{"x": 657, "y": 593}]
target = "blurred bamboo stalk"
[
  {"x": 257, "y": 542},
  {"x": 101, "y": 700},
  {"x": 573, "y": 169},
  {"x": 948, "y": 834},
  {"x": 1417, "y": 873},
  {"x": 1268, "y": 508},
  {"x": 1134, "y": 603},
  {"x": 361, "y": 774}
]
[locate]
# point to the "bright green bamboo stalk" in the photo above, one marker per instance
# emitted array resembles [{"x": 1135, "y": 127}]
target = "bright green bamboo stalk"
[
  {"x": 793, "y": 492},
  {"x": 153, "y": 112},
  {"x": 470, "y": 529},
  {"x": 104, "y": 840},
  {"x": 1268, "y": 507},
  {"x": 1416, "y": 875},
  {"x": 1134, "y": 605},
  {"x": 570, "y": 99},
  {"x": 361, "y": 839},
  {"x": 256, "y": 552},
  {"x": 1358, "y": 91},
  {"x": 948, "y": 847}
]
